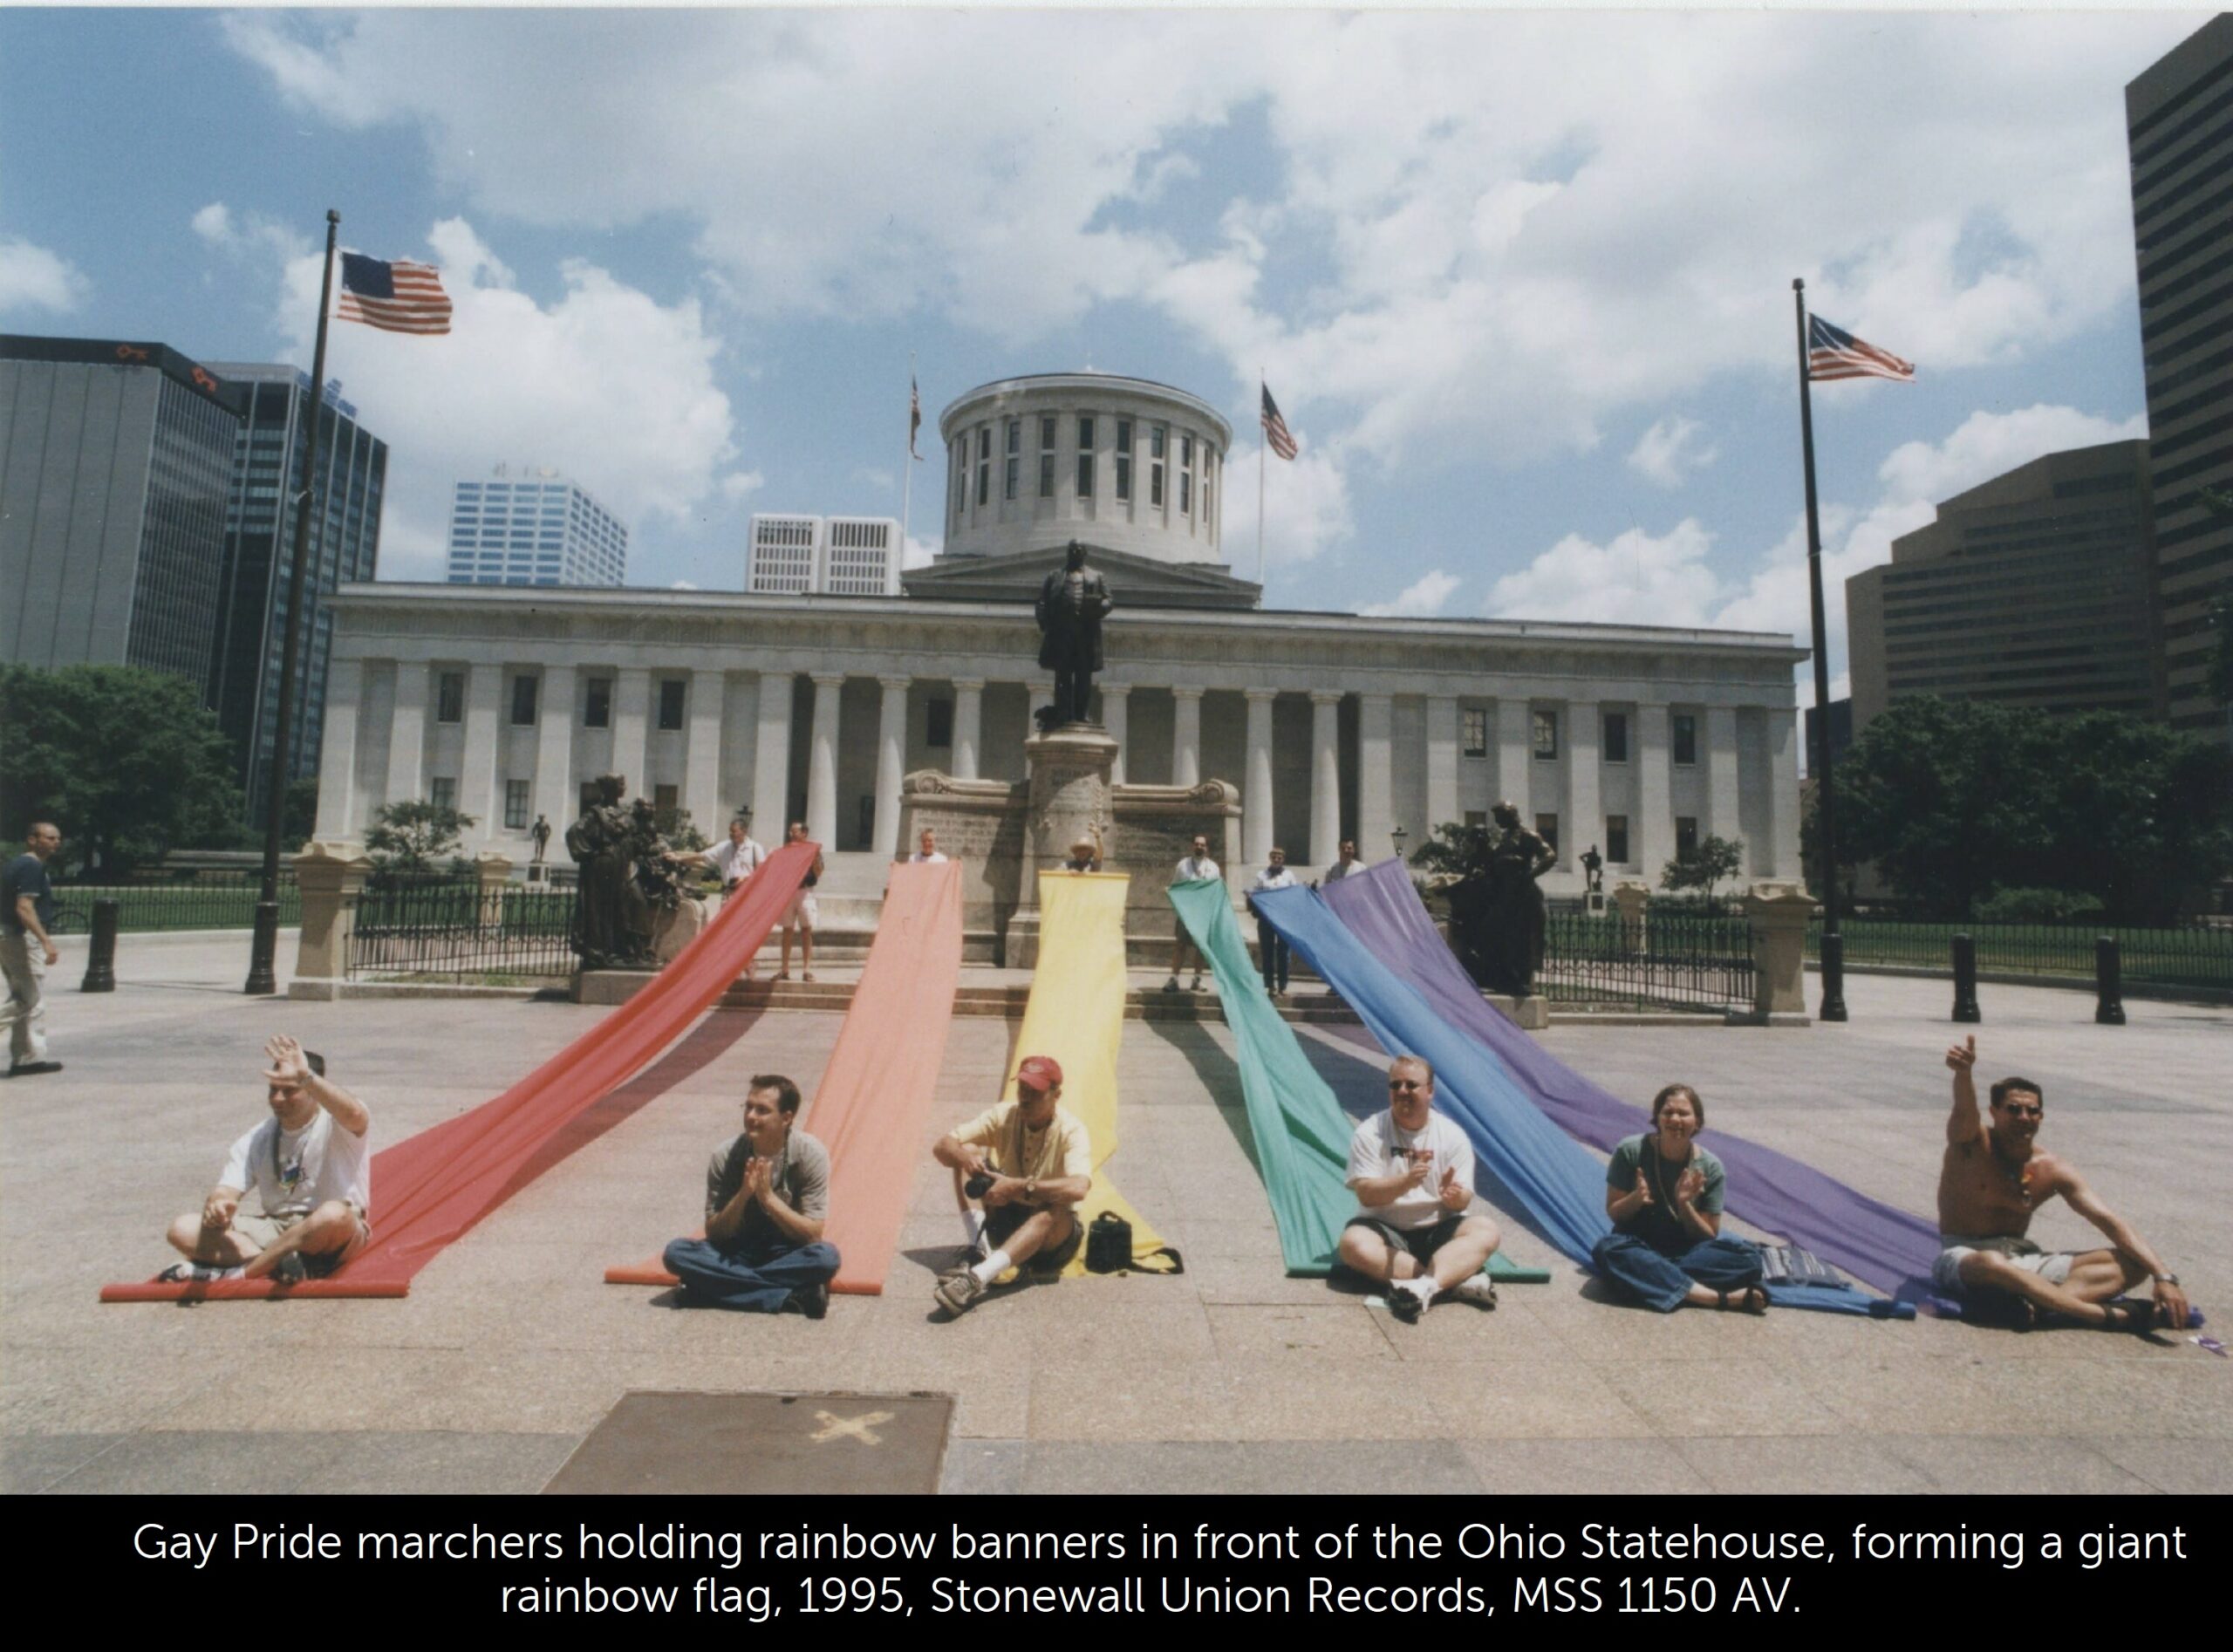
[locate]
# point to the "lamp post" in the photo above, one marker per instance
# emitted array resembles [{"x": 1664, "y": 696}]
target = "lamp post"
[{"x": 1398, "y": 834}]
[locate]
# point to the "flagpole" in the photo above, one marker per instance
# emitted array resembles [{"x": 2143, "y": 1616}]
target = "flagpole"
[
  {"x": 1263, "y": 440},
  {"x": 266, "y": 945},
  {"x": 1833, "y": 971},
  {"x": 907, "y": 464}
]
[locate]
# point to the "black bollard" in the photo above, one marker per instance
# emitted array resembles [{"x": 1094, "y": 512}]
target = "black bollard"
[
  {"x": 1833, "y": 979},
  {"x": 2108, "y": 982},
  {"x": 100, "y": 964},
  {"x": 1965, "y": 979}
]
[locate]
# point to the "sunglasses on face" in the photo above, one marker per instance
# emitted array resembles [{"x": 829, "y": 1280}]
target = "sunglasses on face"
[{"x": 1406, "y": 1084}]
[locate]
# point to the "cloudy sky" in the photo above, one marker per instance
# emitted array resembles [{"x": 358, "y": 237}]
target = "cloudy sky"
[{"x": 1521, "y": 282}]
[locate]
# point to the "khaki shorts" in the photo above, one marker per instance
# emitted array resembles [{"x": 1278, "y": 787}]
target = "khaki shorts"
[
  {"x": 1946, "y": 1273},
  {"x": 264, "y": 1233},
  {"x": 803, "y": 910}
]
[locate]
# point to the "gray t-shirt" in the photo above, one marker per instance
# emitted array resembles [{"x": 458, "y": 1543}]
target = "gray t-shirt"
[
  {"x": 802, "y": 1181},
  {"x": 1656, "y": 1224}
]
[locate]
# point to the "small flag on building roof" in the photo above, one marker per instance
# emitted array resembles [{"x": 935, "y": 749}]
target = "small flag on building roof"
[
  {"x": 1275, "y": 428},
  {"x": 1832, "y": 353},
  {"x": 395, "y": 295}
]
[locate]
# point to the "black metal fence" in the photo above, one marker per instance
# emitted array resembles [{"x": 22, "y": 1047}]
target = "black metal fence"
[
  {"x": 1678, "y": 961},
  {"x": 451, "y": 929},
  {"x": 2197, "y": 955},
  {"x": 207, "y": 900}
]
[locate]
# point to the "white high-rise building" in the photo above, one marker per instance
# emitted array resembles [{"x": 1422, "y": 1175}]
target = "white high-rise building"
[
  {"x": 532, "y": 527},
  {"x": 823, "y": 557}
]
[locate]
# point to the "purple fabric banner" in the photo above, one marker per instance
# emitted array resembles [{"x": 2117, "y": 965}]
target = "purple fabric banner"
[{"x": 1884, "y": 1248}]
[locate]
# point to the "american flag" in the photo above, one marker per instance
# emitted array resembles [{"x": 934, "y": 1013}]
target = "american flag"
[
  {"x": 914, "y": 417},
  {"x": 1832, "y": 353},
  {"x": 1275, "y": 428},
  {"x": 395, "y": 294}
]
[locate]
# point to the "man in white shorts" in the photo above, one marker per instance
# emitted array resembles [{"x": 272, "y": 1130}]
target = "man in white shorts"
[
  {"x": 1420, "y": 1232},
  {"x": 311, "y": 1163},
  {"x": 1993, "y": 1176},
  {"x": 802, "y": 913}
]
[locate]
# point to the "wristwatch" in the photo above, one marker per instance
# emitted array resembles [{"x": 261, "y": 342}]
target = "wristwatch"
[
  {"x": 1031, "y": 1193},
  {"x": 2166, "y": 1279}
]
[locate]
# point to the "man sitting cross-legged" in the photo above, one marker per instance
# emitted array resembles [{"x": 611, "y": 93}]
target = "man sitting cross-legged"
[
  {"x": 1420, "y": 1233},
  {"x": 310, "y": 1165},
  {"x": 1031, "y": 1162},
  {"x": 767, "y": 1197},
  {"x": 1993, "y": 1176}
]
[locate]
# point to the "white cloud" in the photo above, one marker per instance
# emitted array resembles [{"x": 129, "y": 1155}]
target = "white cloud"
[
  {"x": 919, "y": 552},
  {"x": 1306, "y": 509},
  {"x": 1423, "y": 597},
  {"x": 1671, "y": 449},
  {"x": 32, "y": 278},
  {"x": 1636, "y": 579},
  {"x": 604, "y": 384},
  {"x": 739, "y": 483},
  {"x": 1988, "y": 443},
  {"x": 257, "y": 239},
  {"x": 684, "y": 584}
]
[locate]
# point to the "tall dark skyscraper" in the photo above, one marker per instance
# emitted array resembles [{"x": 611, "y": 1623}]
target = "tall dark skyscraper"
[
  {"x": 2179, "y": 114},
  {"x": 270, "y": 459},
  {"x": 115, "y": 457}
]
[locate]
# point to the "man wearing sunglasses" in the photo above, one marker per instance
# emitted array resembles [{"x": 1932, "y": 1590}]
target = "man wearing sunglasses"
[
  {"x": 1421, "y": 1233},
  {"x": 1993, "y": 1176}
]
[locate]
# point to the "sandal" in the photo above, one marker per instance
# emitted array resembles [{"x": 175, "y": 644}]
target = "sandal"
[{"x": 1751, "y": 1300}]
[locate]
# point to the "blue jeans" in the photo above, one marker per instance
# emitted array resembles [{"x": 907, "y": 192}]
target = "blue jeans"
[
  {"x": 756, "y": 1283},
  {"x": 1274, "y": 951},
  {"x": 1661, "y": 1280}
]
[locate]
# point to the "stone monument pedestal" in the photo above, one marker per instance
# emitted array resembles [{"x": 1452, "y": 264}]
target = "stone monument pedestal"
[
  {"x": 1067, "y": 796},
  {"x": 1532, "y": 1012}
]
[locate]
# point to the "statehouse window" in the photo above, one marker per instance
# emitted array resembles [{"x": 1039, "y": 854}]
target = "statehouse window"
[
  {"x": 671, "y": 691},
  {"x": 442, "y": 792},
  {"x": 1474, "y": 722},
  {"x": 523, "y": 693},
  {"x": 515, "y": 805},
  {"x": 1085, "y": 457},
  {"x": 1477, "y": 820},
  {"x": 1616, "y": 744},
  {"x": 1209, "y": 458},
  {"x": 1686, "y": 738},
  {"x": 1617, "y": 839},
  {"x": 1047, "y": 458},
  {"x": 1546, "y": 724},
  {"x": 937, "y": 731},
  {"x": 1155, "y": 464},
  {"x": 1686, "y": 836},
  {"x": 1124, "y": 458},
  {"x": 449, "y": 697},
  {"x": 597, "y": 707},
  {"x": 1014, "y": 465},
  {"x": 984, "y": 462},
  {"x": 1546, "y": 827}
]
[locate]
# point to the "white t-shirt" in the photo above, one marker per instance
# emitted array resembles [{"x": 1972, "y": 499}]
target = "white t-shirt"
[
  {"x": 736, "y": 862},
  {"x": 294, "y": 1171},
  {"x": 1341, "y": 868},
  {"x": 918, "y": 858},
  {"x": 1382, "y": 1149},
  {"x": 1283, "y": 878},
  {"x": 1194, "y": 868}
]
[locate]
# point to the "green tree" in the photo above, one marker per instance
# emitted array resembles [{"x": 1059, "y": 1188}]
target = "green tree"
[
  {"x": 415, "y": 839},
  {"x": 1713, "y": 859},
  {"x": 128, "y": 761},
  {"x": 298, "y": 817}
]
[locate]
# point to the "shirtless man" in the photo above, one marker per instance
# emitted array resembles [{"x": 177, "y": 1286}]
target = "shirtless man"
[{"x": 1993, "y": 1176}]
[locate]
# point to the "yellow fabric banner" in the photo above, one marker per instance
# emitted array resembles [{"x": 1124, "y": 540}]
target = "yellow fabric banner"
[{"x": 1077, "y": 1015}]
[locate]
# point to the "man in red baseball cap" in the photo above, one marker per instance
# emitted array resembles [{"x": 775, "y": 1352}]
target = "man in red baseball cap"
[{"x": 1039, "y": 1160}]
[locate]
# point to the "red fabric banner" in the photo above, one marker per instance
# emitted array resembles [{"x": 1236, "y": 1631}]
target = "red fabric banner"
[{"x": 429, "y": 1189}]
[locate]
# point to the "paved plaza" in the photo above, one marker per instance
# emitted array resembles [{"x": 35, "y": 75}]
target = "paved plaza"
[{"x": 509, "y": 1348}]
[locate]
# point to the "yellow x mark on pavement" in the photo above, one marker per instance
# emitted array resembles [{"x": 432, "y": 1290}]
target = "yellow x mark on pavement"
[{"x": 862, "y": 1428}]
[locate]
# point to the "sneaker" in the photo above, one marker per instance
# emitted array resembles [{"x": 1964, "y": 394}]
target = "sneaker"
[
  {"x": 783, "y": 974},
  {"x": 1171, "y": 985},
  {"x": 193, "y": 1272},
  {"x": 32, "y": 1069},
  {"x": 813, "y": 1300},
  {"x": 957, "y": 1292},
  {"x": 1405, "y": 1304},
  {"x": 806, "y": 974},
  {"x": 290, "y": 1269},
  {"x": 1198, "y": 985},
  {"x": 1480, "y": 1290}
]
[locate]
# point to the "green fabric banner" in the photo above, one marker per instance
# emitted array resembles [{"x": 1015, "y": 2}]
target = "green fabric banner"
[{"x": 1302, "y": 1134}]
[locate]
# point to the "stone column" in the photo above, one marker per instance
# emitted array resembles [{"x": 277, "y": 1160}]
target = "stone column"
[
  {"x": 1777, "y": 913},
  {"x": 1722, "y": 817},
  {"x": 476, "y": 782},
  {"x": 556, "y": 798},
  {"x": 1585, "y": 821},
  {"x": 631, "y": 723},
  {"x": 1116, "y": 717},
  {"x": 337, "y": 778},
  {"x": 968, "y": 725},
  {"x": 701, "y": 759},
  {"x": 1516, "y": 756},
  {"x": 1442, "y": 767},
  {"x": 407, "y": 740},
  {"x": 1186, "y": 737},
  {"x": 1655, "y": 823},
  {"x": 821, "y": 762},
  {"x": 771, "y": 759},
  {"x": 1782, "y": 782},
  {"x": 890, "y": 763},
  {"x": 330, "y": 876},
  {"x": 1257, "y": 832},
  {"x": 1325, "y": 776},
  {"x": 1376, "y": 777}
]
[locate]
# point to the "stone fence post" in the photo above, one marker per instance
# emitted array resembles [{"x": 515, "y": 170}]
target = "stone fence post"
[
  {"x": 1632, "y": 900},
  {"x": 1777, "y": 913},
  {"x": 494, "y": 874},
  {"x": 330, "y": 876}
]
